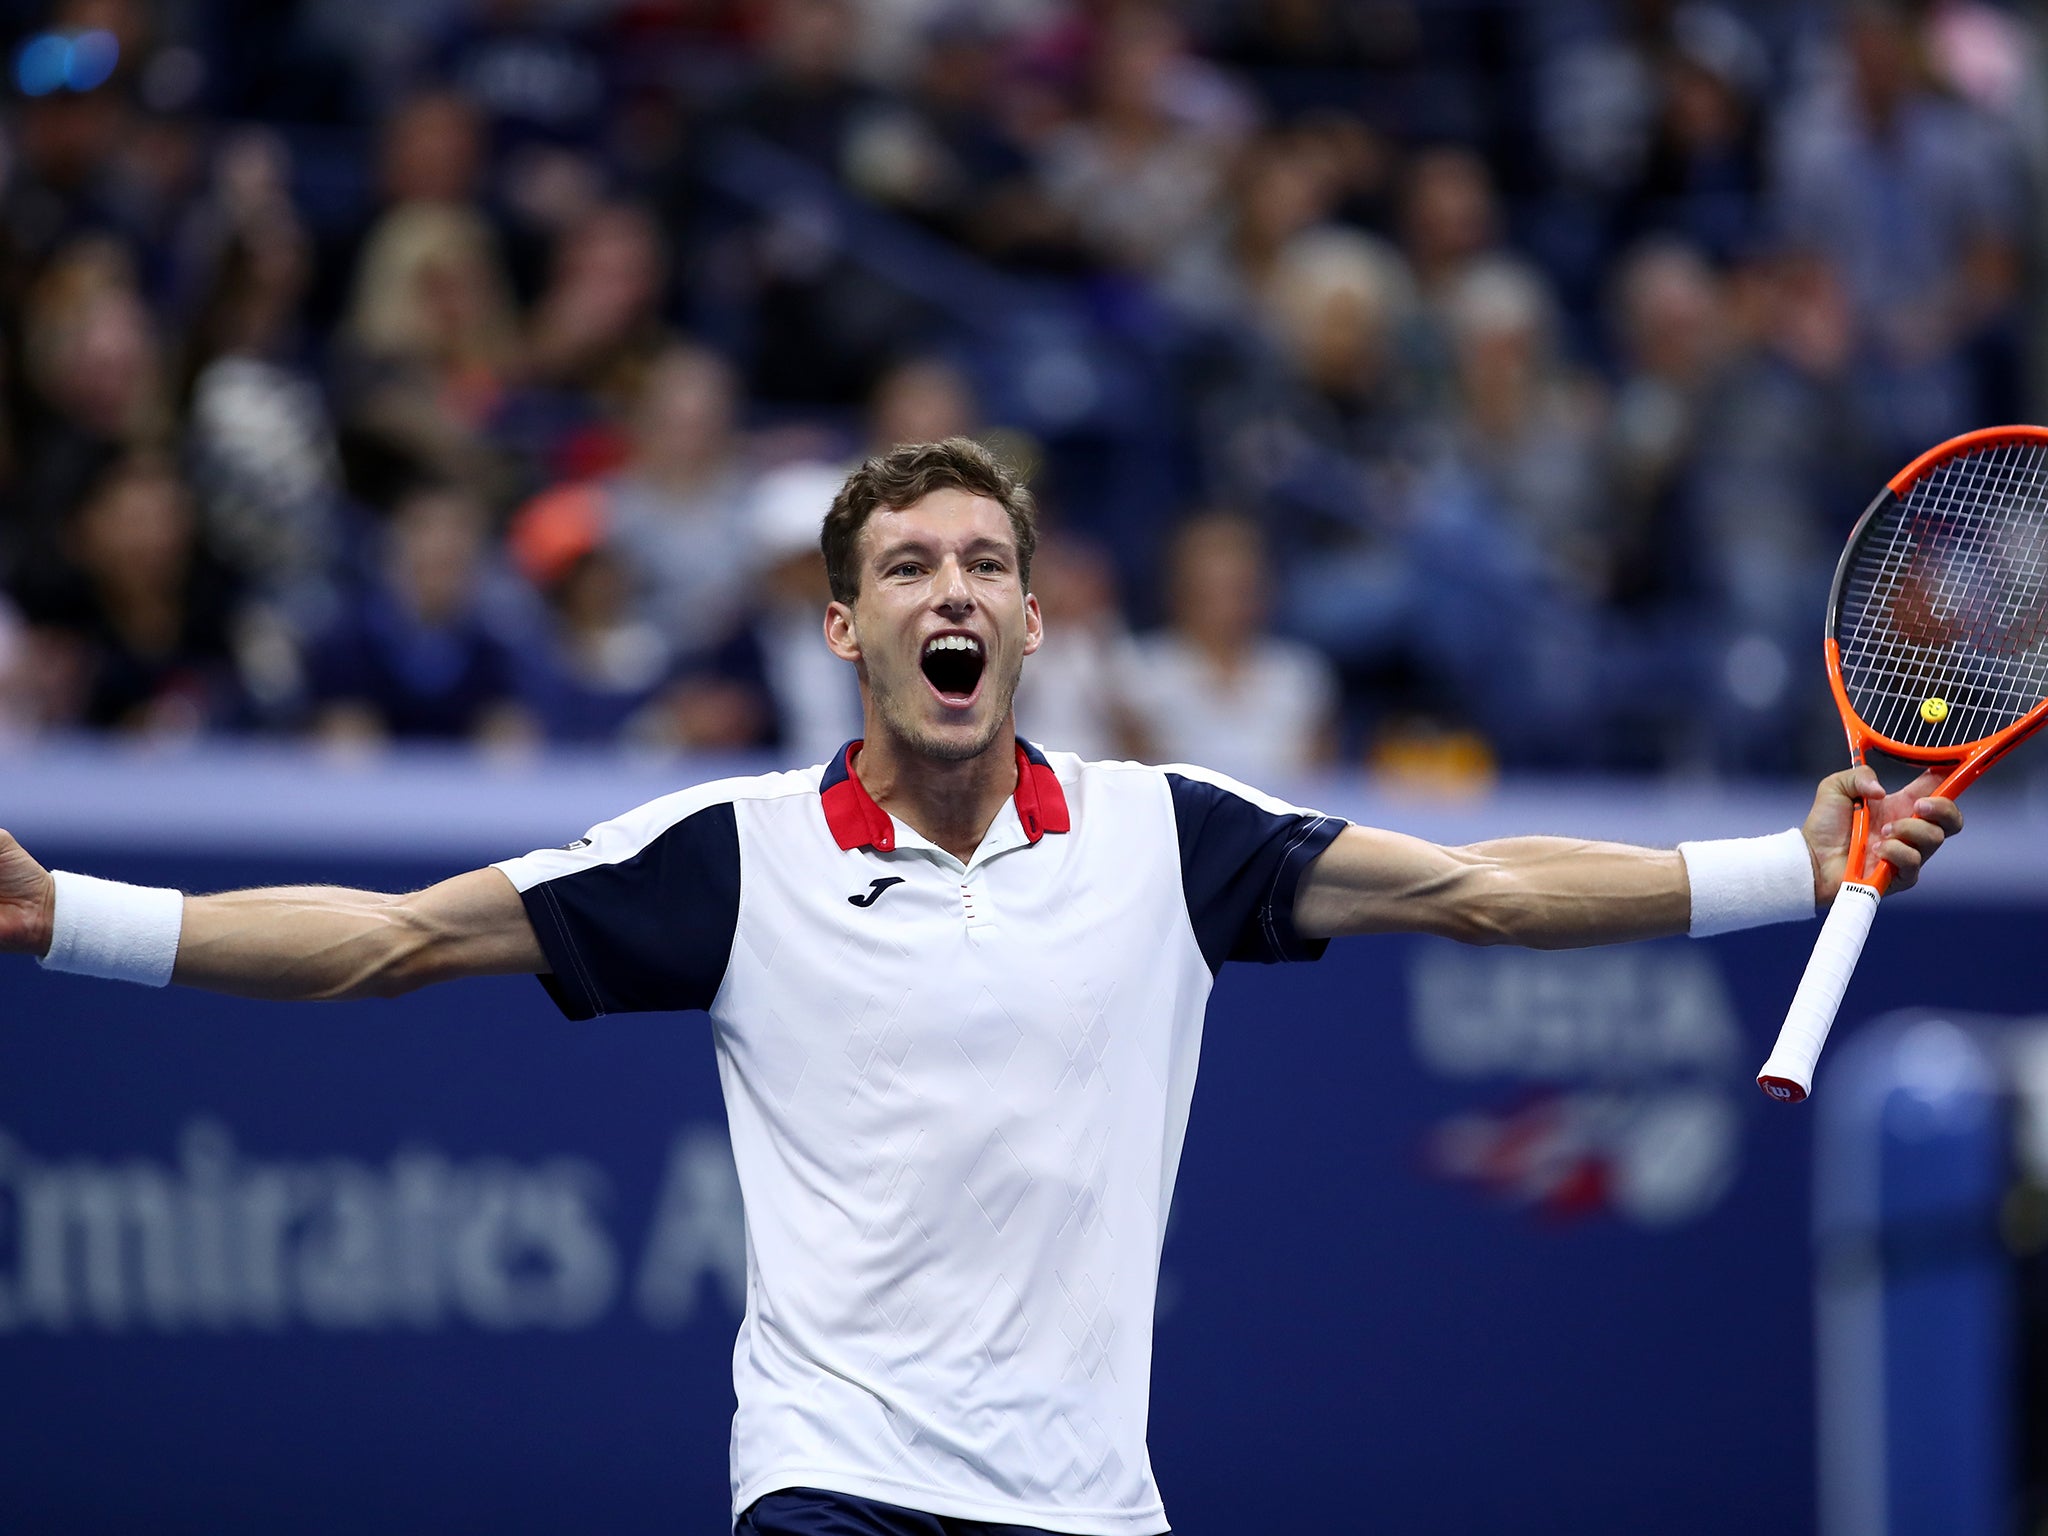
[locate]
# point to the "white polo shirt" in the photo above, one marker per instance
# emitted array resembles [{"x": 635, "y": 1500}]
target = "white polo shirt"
[{"x": 957, "y": 1094}]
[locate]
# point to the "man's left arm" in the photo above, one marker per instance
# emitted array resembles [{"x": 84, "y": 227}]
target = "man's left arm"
[{"x": 1567, "y": 893}]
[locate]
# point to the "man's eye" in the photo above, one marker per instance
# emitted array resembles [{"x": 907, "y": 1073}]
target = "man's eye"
[{"x": 906, "y": 568}]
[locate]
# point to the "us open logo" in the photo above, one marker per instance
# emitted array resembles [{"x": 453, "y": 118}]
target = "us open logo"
[{"x": 1620, "y": 1063}]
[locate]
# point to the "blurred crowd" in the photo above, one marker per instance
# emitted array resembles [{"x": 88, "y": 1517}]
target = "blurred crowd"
[{"x": 1440, "y": 385}]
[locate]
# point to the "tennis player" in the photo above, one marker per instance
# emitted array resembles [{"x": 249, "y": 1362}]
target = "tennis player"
[{"x": 956, "y": 985}]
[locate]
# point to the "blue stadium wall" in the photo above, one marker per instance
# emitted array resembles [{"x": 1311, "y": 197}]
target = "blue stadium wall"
[{"x": 1465, "y": 1240}]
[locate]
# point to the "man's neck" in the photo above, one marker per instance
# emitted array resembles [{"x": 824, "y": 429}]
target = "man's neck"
[{"x": 950, "y": 803}]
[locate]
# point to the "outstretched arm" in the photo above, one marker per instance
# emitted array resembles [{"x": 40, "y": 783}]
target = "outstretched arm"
[
  {"x": 1565, "y": 893},
  {"x": 311, "y": 942},
  {"x": 316, "y": 942}
]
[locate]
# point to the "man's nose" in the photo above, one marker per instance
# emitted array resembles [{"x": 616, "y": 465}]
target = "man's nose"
[{"x": 951, "y": 592}]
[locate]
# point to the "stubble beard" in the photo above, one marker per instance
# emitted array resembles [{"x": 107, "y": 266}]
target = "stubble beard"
[{"x": 945, "y": 748}]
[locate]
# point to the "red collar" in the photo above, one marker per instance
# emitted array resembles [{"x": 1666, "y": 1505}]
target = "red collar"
[{"x": 857, "y": 822}]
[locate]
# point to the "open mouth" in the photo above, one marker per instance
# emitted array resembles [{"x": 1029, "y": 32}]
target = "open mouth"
[{"x": 953, "y": 665}]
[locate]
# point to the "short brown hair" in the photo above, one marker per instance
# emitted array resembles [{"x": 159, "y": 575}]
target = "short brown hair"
[{"x": 902, "y": 478}]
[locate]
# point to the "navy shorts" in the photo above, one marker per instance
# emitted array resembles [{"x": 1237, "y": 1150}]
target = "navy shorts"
[{"x": 815, "y": 1512}]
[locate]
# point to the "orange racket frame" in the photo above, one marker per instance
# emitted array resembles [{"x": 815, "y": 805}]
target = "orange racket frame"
[
  {"x": 1971, "y": 758},
  {"x": 1974, "y": 757}
]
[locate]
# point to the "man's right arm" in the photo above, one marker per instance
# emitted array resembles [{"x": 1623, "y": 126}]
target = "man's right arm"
[{"x": 312, "y": 942}]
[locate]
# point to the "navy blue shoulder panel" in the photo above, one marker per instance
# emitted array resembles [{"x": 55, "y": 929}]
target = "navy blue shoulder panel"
[
  {"x": 651, "y": 932},
  {"x": 1240, "y": 866}
]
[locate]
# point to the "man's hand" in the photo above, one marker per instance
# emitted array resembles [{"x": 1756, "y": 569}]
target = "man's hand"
[
  {"x": 28, "y": 901},
  {"x": 1905, "y": 828}
]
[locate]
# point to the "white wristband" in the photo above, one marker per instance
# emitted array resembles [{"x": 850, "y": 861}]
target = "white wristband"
[
  {"x": 119, "y": 932},
  {"x": 1745, "y": 882}
]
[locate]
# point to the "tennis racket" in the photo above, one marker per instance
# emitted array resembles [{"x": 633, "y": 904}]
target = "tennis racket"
[{"x": 1937, "y": 647}]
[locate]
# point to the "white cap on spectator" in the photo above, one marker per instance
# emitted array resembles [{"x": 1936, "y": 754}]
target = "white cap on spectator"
[
  {"x": 790, "y": 506},
  {"x": 1499, "y": 294},
  {"x": 1322, "y": 268}
]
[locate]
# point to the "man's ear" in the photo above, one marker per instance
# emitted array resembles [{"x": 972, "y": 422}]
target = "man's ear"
[
  {"x": 1034, "y": 625},
  {"x": 841, "y": 636}
]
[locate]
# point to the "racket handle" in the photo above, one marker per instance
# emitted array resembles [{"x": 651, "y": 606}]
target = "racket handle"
[{"x": 1789, "y": 1073}]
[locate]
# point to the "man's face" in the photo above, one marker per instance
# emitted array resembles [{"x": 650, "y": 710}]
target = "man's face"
[{"x": 942, "y": 624}]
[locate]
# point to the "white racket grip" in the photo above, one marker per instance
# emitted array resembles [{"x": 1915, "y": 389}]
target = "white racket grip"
[{"x": 1788, "y": 1075}]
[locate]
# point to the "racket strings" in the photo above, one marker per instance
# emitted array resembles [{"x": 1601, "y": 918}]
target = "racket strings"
[{"x": 1945, "y": 599}]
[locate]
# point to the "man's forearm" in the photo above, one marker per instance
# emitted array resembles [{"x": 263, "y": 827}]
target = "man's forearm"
[
  {"x": 303, "y": 942},
  {"x": 1561, "y": 893},
  {"x": 1544, "y": 892},
  {"x": 316, "y": 942},
  {"x": 1567, "y": 893},
  {"x": 1553, "y": 892}
]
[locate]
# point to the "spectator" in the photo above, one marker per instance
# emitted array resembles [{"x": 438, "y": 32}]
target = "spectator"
[
  {"x": 1450, "y": 218},
  {"x": 1142, "y": 170},
  {"x": 677, "y": 508},
  {"x": 1075, "y": 692},
  {"x": 601, "y": 666},
  {"x": 429, "y": 151},
  {"x": 1450, "y": 226},
  {"x": 590, "y": 344},
  {"x": 1525, "y": 428},
  {"x": 432, "y": 151},
  {"x": 1678, "y": 345},
  {"x": 1308, "y": 426},
  {"x": 417, "y": 653},
  {"x": 1642, "y": 99},
  {"x": 598, "y": 324},
  {"x": 940, "y": 154},
  {"x": 1216, "y": 687},
  {"x": 1341, "y": 304},
  {"x": 1786, "y": 461},
  {"x": 921, "y": 400},
  {"x": 1284, "y": 185},
  {"x": 820, "y": 324},
  {"x": 1912, "y": 198},
  {"x": 1363, "y": 164},
  {"x": 772, "y": 686},
  {"x": 434, "y": 340},
  {"x": 1316, "y": 434},
  {"x": 147, "y": 616},
  {"x": 806, "y": 98},
  {"x": 95, "y": 390},
  {"x": 261, "y": 445},
  {"x": 1703, "y": 176}
]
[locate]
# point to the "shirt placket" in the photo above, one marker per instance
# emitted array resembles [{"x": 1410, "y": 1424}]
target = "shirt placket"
[{"x": 977, "y": 908}]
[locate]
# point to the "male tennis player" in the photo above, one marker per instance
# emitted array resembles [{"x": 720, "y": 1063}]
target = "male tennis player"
[{"x": 957, "y": 986}]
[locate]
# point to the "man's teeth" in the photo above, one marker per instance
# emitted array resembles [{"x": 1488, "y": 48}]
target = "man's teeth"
[{"x": 951, "y": 643}]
